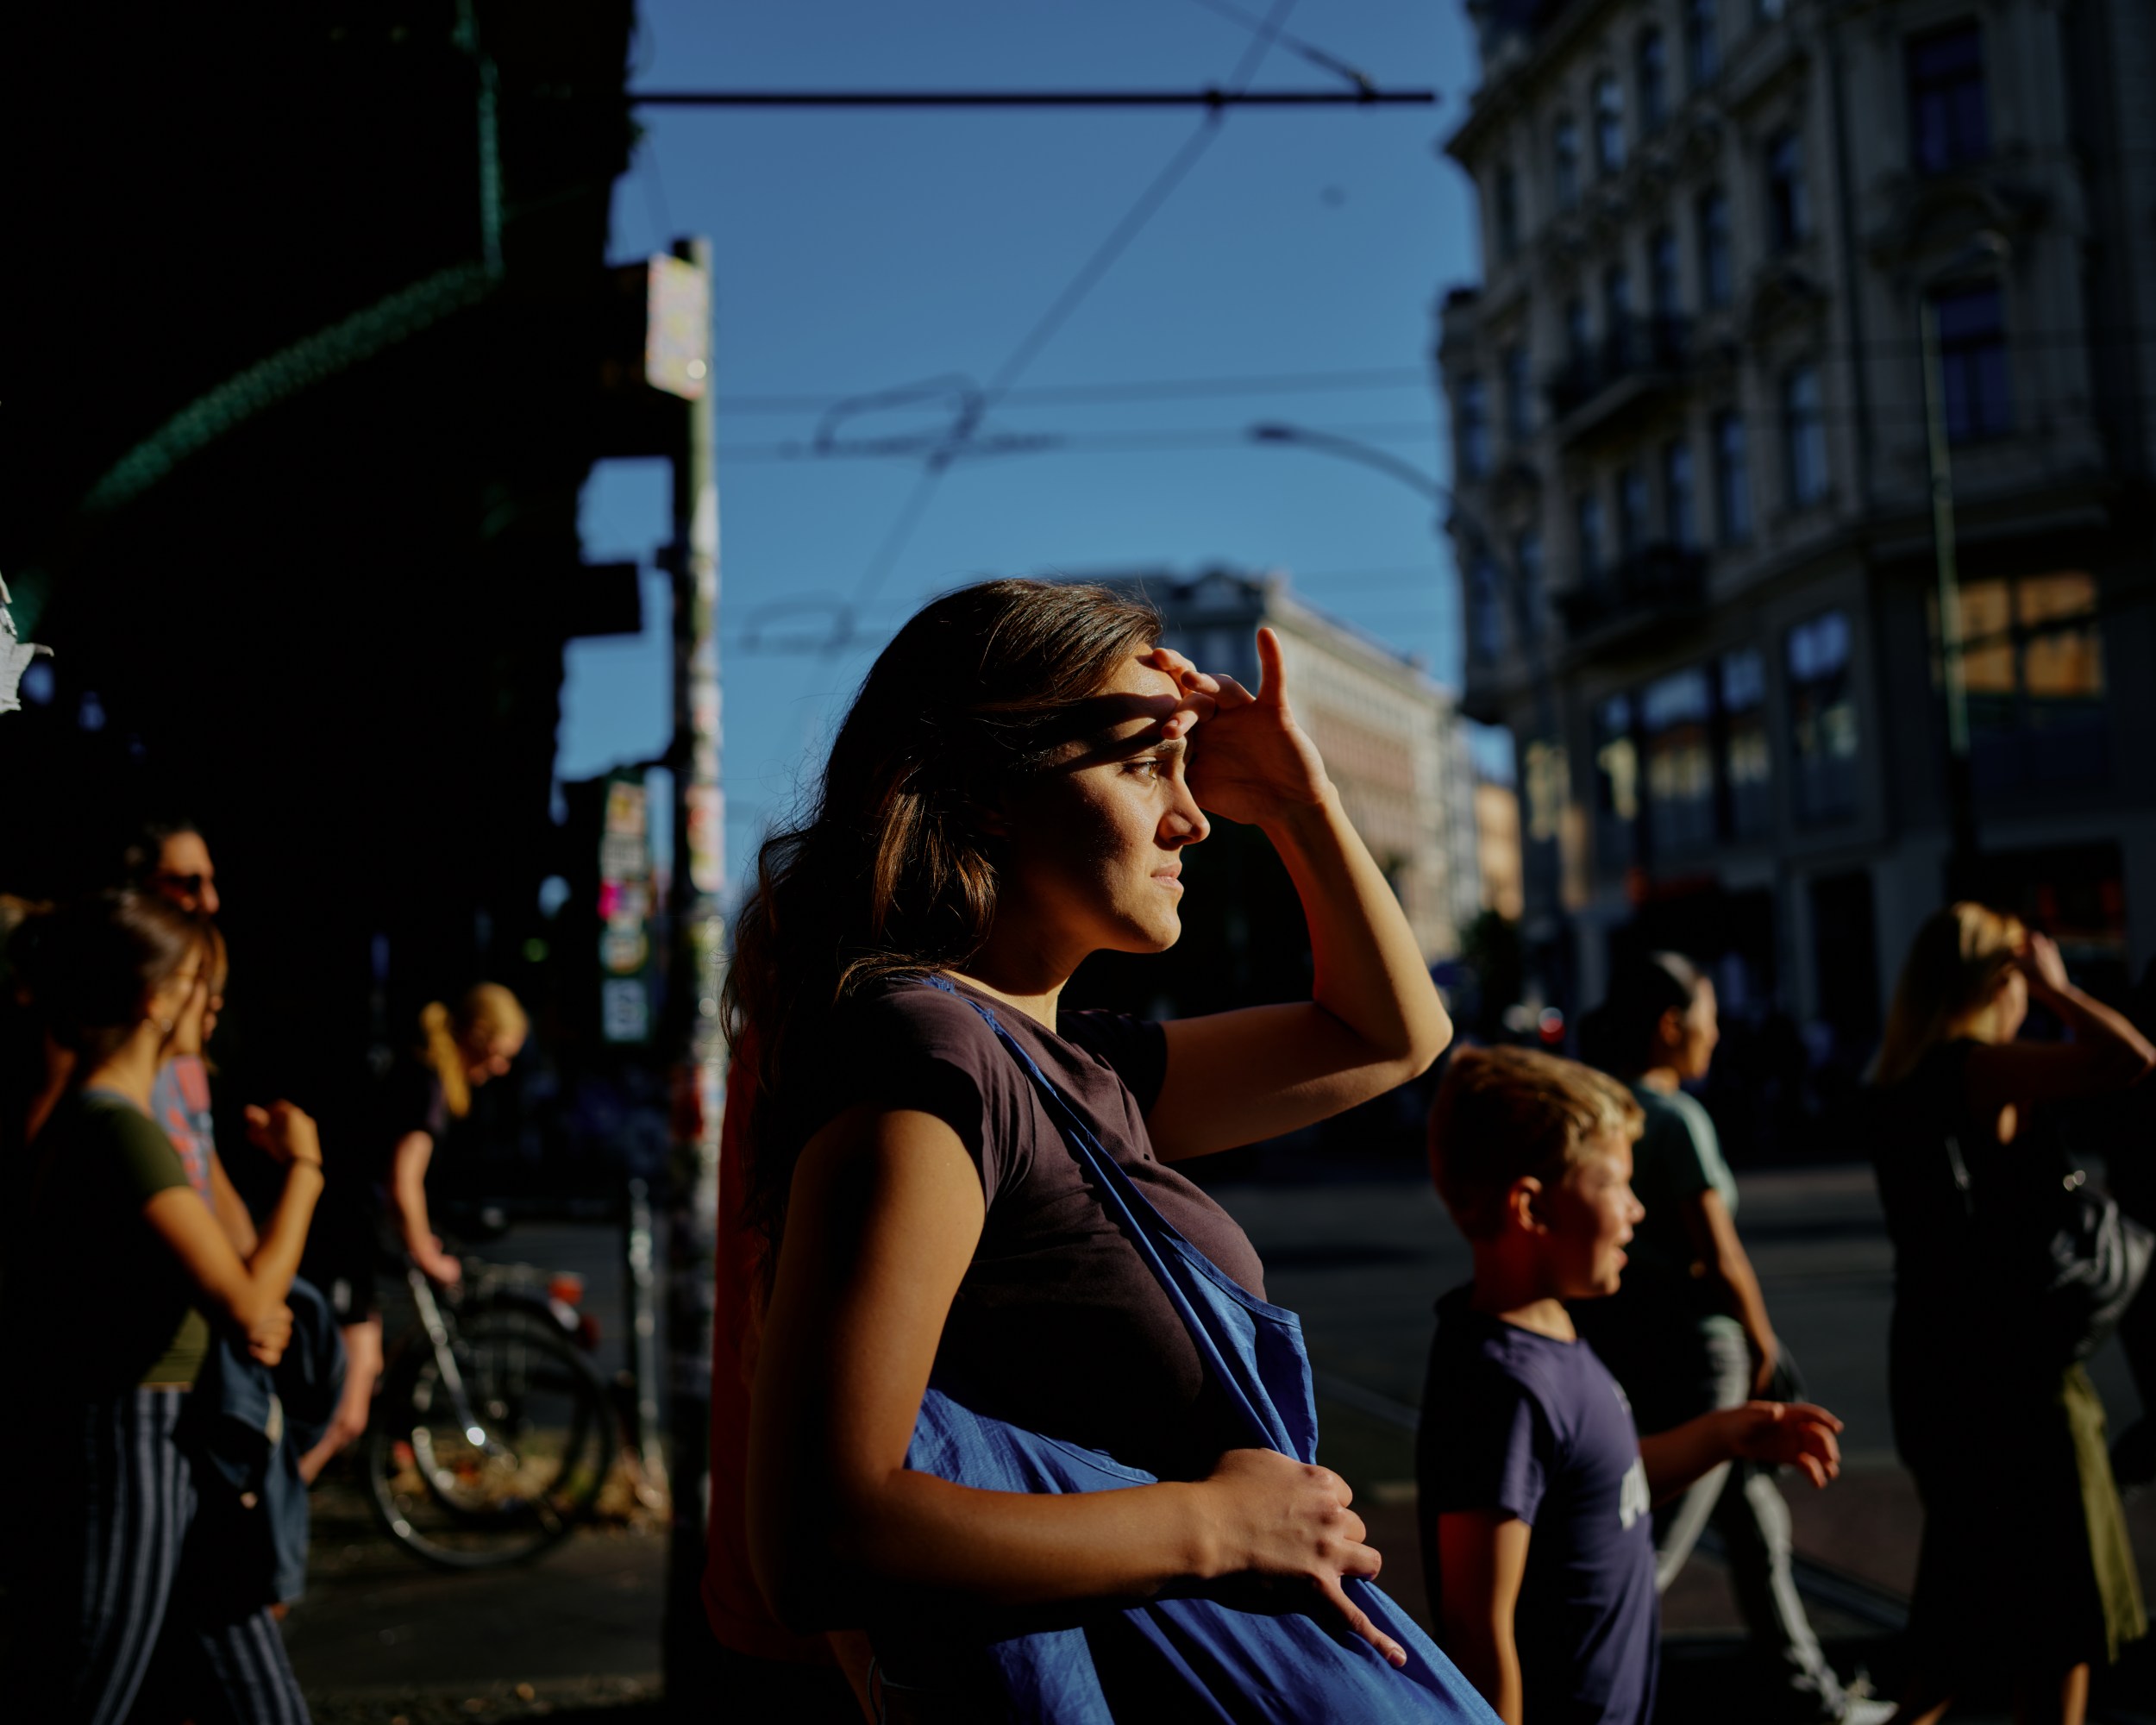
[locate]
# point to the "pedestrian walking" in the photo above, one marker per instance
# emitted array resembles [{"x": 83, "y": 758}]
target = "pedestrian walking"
[
  {"x": 169, "y": 856},
  {"x": 1021, "y": 1411},
  {"x": 2025, "y": 1568},
  {"x": 1533, "y": 1484},
  {"x": 117, "y": 1272},
  {"x": 1688, "y": 1332},
  {"x": 377, "y": 1207}
]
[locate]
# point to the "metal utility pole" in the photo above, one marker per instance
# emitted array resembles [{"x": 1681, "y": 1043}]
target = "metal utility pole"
[{"x": 679, "y": 350}]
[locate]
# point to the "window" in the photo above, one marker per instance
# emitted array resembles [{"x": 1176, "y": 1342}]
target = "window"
[
  {"x": 1616, "y": 784},
  {"x": 1947, "y": 123},
  {"x": 1470, "y": 403},
  {"x": 1680, "y": 512},
  {"x": 1633, "y": 530},
  {"x": 2033, "y": 663},
  {"x": 1703, "y": 51},
  {"x": 1564, "y": 159},
  {"x": 1664, "y": 291},
  {"x": 1505, "y": 201},
  {"x": 1651, "y": 78},
  {"x": 1486, "y": 605},
  {"x": 1578, "y": 343},
  {"x": 1616, "y": 301},
  {"x": 1732, "y": 479},
  {"x": 1609, "y": 124},
  {"x": 1803, "y": 437},
  {"x": 1822, "y": 719},
  {"x": 1520, "y": 401},
  {"x": 1972, "y": 372},
  {"x": 1677, "y": 722},
  {"x": 1769, "y": 10},
  {"x": 1717, "y": 283},
  {"x": 1789, "y": 220},
  {"x": 1526, "y": 563},
  {"x": 1747, "y": 758},
  {"x": 1587, "y": 512}
]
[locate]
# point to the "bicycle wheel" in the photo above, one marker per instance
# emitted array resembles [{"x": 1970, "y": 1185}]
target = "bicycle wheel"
[{"x": 514, "y": 1481}]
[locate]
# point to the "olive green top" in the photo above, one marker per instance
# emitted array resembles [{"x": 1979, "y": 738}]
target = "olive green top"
[{"x": 106, "y": 1302}]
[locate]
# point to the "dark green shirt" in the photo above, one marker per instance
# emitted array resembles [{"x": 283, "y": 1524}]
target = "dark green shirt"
[
  {"x": 1677, "y": 1158},
  {"x": 104, "y": 1300}
]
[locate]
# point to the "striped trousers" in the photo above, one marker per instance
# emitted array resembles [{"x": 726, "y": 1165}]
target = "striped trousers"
[{"x": 124, "y": 1597}]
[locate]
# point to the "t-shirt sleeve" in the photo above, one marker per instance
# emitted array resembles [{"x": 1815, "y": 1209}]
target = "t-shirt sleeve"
[
  {"x": 916, "y": 1047},
  {"x": 141, "y": 1160},
  {"x": 1683, "y": 1163},
  {"x": 1489, "y": 1447},
  {"x": 1136, "y": 1048}
]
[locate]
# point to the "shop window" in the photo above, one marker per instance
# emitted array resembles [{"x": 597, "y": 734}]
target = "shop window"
[
  {"x": 1747, "y": 757},
  {"x": 1823, "y": 722},
  {"x": 1948, "y": 125},
  {"x": 1676, "y": 726},
  {"x": 1616, "y": 784},
  {"x": 2033, "y": 664}
]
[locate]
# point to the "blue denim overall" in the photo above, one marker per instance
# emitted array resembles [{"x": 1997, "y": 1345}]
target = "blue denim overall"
[{"x": 1186, "y": 1659}]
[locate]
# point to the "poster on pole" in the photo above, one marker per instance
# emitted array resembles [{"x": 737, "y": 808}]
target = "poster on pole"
[{"x": 625, "y": 910}]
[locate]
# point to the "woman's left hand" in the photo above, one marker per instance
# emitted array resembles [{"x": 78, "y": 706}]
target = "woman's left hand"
[{"x": 1250, "y": 761}]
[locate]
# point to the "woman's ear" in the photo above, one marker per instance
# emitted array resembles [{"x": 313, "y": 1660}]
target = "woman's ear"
[{"x": 1669, "y": 1028}]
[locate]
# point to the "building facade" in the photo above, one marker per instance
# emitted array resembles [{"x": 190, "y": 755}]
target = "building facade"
[
  {"x": 1695, "y": 486},
  {"x": 1390, "y": 737}
]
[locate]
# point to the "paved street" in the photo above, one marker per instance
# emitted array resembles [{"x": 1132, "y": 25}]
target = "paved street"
[{"x": 380, "y": 1638}]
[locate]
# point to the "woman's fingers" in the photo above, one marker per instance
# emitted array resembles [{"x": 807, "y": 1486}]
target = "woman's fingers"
[
  {"x": 1271, "y": 668},
  {"x": 1358, "y": 1623}
]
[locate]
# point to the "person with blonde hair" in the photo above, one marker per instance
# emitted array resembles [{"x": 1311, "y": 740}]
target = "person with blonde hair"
[
  {"x": 2025, "y": 1563},
  {"x": 460, "y": 1048}
]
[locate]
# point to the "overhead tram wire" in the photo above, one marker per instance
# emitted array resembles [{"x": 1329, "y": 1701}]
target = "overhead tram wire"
[
  {"x": 1074, "y": 294},
  {"x": 1165, "y": 389},
  {"x": 1213, "y": 98}
]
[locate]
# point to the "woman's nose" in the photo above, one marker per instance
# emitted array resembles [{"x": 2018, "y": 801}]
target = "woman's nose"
[{"x": 1185, "y": 823}]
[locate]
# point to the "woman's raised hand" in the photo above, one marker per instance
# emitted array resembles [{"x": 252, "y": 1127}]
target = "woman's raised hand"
[
  {"x": 2038, "y": 956},
  {"x": 1281, "y": 1520},
  {"x": 284, "y": 1133},
  {"x": 1250, "y": 761}
]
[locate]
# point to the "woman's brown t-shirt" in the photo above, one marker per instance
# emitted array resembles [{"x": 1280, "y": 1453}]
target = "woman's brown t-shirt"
[{"x": 1058, "y": 1325}]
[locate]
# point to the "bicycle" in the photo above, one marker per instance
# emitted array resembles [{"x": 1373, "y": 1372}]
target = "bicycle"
[{"x": 491, "y": 1434}]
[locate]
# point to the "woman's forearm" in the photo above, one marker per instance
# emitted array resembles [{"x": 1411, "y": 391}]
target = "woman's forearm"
[
  {"x": 846, "y": 1555},
  {"x": 1367, "y": 968},
  {"x": 2094, "y": 1023},
  {"x": 275, "y": 1259}
]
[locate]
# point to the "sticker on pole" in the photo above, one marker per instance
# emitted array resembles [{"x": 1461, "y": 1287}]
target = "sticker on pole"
[{"x": 677, "y": 327}]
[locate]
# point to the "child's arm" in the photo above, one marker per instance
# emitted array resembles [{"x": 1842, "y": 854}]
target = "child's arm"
[
  {"x": 1791, "y": 1433},
  {"x": 1481, "y": 1555}
]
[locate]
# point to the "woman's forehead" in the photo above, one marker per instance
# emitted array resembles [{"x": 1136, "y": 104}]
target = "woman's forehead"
[{"x": 1140, "y": 676}]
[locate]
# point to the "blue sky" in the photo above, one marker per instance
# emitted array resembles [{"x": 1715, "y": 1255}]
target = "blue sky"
[{"x": 866, "y": 250}]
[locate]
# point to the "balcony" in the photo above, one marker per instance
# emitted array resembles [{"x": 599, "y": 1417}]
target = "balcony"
[
  {"x": 1655, "y": 585},
  {"x": 1631, "y": 366}
]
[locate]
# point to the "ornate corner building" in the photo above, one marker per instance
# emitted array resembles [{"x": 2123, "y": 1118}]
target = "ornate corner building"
[{"x": 1695, "y": 491}]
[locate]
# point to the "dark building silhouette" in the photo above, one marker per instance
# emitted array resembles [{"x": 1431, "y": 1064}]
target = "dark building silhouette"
[{"x": 306, "y": 311}]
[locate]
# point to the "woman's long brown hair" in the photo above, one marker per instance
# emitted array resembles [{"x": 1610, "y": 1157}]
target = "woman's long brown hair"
[{"x": 888, "y": 872}]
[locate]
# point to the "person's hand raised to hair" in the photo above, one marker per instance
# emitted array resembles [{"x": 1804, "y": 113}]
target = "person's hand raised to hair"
[
  {"x": 2038, "y": 956},
  {"x": 1280, "y": 1521},
  {"x": 1250, "y": 761},
  {"x": 285, "y": 1134},
  {"x": 1794, "y": 1434}
]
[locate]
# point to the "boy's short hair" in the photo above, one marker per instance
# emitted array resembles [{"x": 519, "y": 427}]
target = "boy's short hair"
[{"x": 1503, "y": 1114}]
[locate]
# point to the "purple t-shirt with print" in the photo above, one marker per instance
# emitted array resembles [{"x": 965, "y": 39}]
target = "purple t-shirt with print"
[{"x": 1537, "y": 1428}]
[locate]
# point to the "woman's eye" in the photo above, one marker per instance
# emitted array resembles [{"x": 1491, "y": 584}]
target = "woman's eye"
[{"x": 1150, "y": 765}]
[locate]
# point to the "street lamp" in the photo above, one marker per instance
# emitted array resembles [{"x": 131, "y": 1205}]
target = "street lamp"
[{"x": 1978, "y": 260}]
